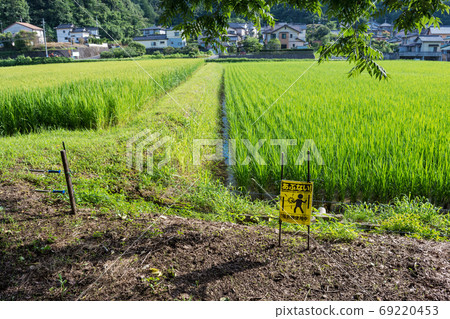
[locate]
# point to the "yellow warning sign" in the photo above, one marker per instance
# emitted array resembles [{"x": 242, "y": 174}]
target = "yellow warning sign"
[{"x": 296, "y": 202}]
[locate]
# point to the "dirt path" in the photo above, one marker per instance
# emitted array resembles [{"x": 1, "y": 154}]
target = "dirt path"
[{"x": 48, "y": 255}]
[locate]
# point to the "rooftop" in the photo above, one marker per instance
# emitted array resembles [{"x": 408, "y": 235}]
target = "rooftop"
[
  {"x": 153, "y": 28},
  {"x": 444, "y": 29},
  {"x": 27, "y": 25},
  {"x": 65, "y": 26},
  {"x": 236, "y": 25},
  {"x": 296, "y": 27},
  {"x": 79, "y": 30},
  {"x": 430, "y": 38}
]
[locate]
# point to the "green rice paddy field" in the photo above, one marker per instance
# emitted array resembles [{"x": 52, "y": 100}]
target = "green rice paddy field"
[
  {"x": 378, "y": 140},
  {"x": 83, "y": 95}
]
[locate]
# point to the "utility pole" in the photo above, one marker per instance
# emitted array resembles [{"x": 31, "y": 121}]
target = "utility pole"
[{"x": 45, "y": 38}]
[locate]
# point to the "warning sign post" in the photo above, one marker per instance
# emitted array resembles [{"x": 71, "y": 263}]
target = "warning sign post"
[{"x": 296, "y": 202}]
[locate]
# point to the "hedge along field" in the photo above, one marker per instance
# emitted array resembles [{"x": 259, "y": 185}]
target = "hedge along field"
[
  {"x": 378, "y": 140},
  {"x": 83, "y": 95}
]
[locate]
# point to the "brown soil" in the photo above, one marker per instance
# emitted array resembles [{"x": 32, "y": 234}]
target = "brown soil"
[{"x": 47, "y": 254}]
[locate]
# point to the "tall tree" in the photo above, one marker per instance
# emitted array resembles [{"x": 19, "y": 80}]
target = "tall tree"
[
  {"x": 14, "y": 10},
  {"x": 54, "y": 12},
  {"x": 149, "y": 11}
]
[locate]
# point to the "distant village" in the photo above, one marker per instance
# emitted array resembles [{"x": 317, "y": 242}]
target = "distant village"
[{"x": 430, "y": 44}]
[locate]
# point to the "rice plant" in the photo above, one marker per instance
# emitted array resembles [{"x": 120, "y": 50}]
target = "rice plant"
[
  {"x": 92, "y": 99},
  {"x": 378, "y": 140}
]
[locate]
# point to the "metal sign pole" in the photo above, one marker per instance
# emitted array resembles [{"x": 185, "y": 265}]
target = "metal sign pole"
[
  {"x": 282, "y": 207},
  {"x": 308, "y": 180}
]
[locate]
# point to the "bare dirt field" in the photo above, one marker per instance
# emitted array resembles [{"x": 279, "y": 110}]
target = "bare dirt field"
[{"x": 48, "y": 254}]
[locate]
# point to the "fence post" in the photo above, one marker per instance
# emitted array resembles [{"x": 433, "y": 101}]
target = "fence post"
[{"x": 68, "y": 181}]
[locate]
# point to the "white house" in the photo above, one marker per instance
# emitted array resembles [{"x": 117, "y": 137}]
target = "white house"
[
  {"x": 153, "y": 30},
  {"x": 175, "y": 38},
  {"x": 22, "y": 26},
  {"x": 63, "y": 32},
  {"x": 155, "y": 41},
  {"x": 79, "y": 33},
  {"x": 70, "y": 33},
  {"x": 291, "y": 36},
  {"x": 238, "y": 29},
  {"x": 94, "y": 32},
  {"x": 159, "y": 38}
]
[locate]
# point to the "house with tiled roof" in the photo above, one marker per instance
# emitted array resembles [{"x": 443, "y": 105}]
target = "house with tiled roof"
[
  {"x": 22, "y": 26},
  {"x": 424, "y": 47},
  {"x": 387, "y": 27},
  {"x": 443, "y": 31},
  {"x": 290, "y": 35}
]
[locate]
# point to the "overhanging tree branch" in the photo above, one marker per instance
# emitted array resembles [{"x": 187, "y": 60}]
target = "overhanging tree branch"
[{"x": 210, "y": 18}]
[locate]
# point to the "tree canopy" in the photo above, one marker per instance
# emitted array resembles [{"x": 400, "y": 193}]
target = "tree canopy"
[
  {"x": 118, "y": 18},
  {"x": 210, "y": 17},
  {"x": 317, "y": 33},
  {"x": 251, "y": 45}
]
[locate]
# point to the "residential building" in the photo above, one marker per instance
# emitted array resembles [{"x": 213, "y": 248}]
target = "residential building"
[
  {"x": 22, "y": 26},
  {"x": 236, "y": 32},
  {"x": 154, "y": 41},
  {"x": 387, "y": 27},
  {"x": 291, "y": 36},
  {"x": 243, "y": 30},
  {"x": 445, "y": 49},
  {"x": 408, "y": 38},
  {"x": 79, "y": 35},
  {"x": 156, "y": 37},
  {"x": 395, "y": 40},
  {"x": 228, "y": 40},
  {"x": 423, "y": 47},
  {"x": 153, "y": 30},
  {"x": 375, "y": 30},
  {"x": 63, "y": 32},
  {"x": 443, "y": 31},
  {"x": 72, "y": 34},
  {"x": 237, "y": 29},
  {"x": 93, "y": 31},
  {"x": 175, "y": 38}
]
